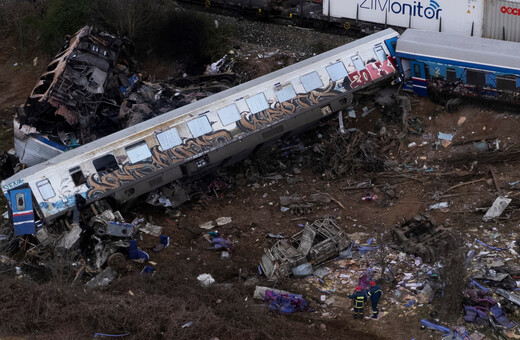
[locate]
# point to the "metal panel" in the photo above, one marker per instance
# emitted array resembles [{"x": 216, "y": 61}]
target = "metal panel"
[
  {"x": 458, "y": 16},
  {"x": 502, "y": 20},
  {"x": 22, "y": 210}
]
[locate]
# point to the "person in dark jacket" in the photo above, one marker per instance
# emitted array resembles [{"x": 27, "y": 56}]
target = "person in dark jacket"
[
  {"x": 359, "y": 302},
  {"x": 375, "y": 294}
]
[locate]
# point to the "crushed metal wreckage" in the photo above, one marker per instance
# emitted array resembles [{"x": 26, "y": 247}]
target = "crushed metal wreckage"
[
  {"x": 102, "y": 245},
  {"x": 423, "y": 237},
  {"x": 315, "y": 244},
  {"x": 92, "y": 88}
]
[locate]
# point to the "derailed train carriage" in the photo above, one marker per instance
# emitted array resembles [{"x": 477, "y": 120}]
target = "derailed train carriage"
[
  {"x": 445, "y": 66},
  {"x": 184, "y": 143}
]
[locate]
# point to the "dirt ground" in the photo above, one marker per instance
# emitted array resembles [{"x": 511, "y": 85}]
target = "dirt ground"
[{"x": 161, "y": 307}]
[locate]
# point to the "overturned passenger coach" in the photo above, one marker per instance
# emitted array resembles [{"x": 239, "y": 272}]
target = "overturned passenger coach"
[{"x": 192, "y": 140}]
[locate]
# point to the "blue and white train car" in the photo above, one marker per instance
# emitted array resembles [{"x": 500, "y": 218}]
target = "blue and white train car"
[
  {"x": 215, "y": 131},
  {"x": 450, "y": 65}
]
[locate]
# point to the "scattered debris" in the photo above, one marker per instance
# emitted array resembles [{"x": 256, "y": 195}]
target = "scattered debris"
[
  {"x": 317, "y": 242},
  {"x": 422, "y": 237},
  {"x": 205, "y": 279},
  {"x": 102, "y": 279},
  {"x": 498, "y": 207}
]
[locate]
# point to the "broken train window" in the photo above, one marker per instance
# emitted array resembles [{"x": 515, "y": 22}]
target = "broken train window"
[
  {"x": 77, "y": 176},
  {"x": 138, "y": 152},
  {"x": 336, "y": 71},
  {"x": 20, "y": 201},
  {"x": 257, "y": 103},
  {"x": 474, "y": 77},
  {"x": 105, "y": 164},
  {"x": 199, "y": 126},
  {"x": 451, "y": 75},
  {"x": 169, "y": 138},
  {"x": 228, "y": 114},
  {"x": 506, "y": 83},
  {"x": 45, "y": 189},
  {"x": 311, "y": 81},
  {"x": 285, "y": 93}
]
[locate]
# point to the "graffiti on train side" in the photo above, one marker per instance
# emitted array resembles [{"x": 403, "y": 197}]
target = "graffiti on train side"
[
  {"x": 99, "y": 184},
  {"x": 278, "y": 111}
]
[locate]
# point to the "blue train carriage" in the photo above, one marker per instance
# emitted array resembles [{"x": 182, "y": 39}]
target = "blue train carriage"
[
  {"x": 453, "y": 65},
  {"x": 189, "y": 141}
]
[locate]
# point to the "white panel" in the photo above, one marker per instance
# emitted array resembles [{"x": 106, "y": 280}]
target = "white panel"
[
  {"x": 45, "y": 189},
  {"x": 138, "y": 152},
  {"x": 169, "y": 138},
  {"x": 229, "y": 114},
  {"x": 257, "y": 103},
  {"x": 458, "y": 16},
  {"x": 337, "y": 71},
  {"x": 199, "y": 126},
  {"x": 502, "y": 20},
  {"x": 311, "y": 81},
  {"x": 285, "y": 93}
]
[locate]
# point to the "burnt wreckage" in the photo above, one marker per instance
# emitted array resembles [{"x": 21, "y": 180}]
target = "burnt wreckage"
[
  {"x": 91, "y": 89},
  {"x": 72, "y": 102}
]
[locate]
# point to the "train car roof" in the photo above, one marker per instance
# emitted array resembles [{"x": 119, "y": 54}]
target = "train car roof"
[
  {"x": 495, "y": 54},
  {"x": 278, "y": 75}
]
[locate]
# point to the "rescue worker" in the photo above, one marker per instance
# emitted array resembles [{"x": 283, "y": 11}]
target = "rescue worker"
[
  {"x": 359, "y": 302},
  {"x": 375, "y": 294}
]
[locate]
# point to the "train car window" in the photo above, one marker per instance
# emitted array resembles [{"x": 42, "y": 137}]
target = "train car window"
[
  {"x": 257, "y": 103},
  {"x": 506, "y": 83},
  {"x": 451, "y": 75},
  {"x": 285, "y": 93},
  {"x": 199, "y": 126},
  {"x": 104, "y": 164},
  {"x": 380, "y": 53},
  {"x": 138, "y": 152},
  {"x": 169, "y": 138},
  {"x": 426, "y": 72},
  {"x": 20, "y": 201},
  {"x": 45, "y": 189},
  {"x": 477, "y": 78},
  {"x": 311, "y": 81},
  {"x": 77, "y": 176},
  {"x": 229, "y": 114},
  {"x": 358, "y": 63},
  {"x": 336, "y": 71},
  {"x": 416, "y": 70}
]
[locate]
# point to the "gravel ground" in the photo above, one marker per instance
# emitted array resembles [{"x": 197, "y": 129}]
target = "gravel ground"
[{"x": 286, "y": 38}]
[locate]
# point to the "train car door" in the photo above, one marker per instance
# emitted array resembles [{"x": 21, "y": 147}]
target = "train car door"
[
  {"x": 419, "y": 78},
  {"x": 22, "y": 211}
]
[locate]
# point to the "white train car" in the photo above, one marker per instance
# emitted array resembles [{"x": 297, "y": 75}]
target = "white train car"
[
  {"x": 496, "y": 19},
  {"x": 216, "y": 131}
]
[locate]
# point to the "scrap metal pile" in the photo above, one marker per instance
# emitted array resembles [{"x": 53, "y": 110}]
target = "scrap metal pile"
[
  {"x": 423, "y": 237},
  {"x": 93, "y": 88}
]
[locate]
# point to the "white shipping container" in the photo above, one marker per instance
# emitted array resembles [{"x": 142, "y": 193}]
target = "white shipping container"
[
  {"x": 458, "y": 16},
  {"x": 502, "y": 20}
]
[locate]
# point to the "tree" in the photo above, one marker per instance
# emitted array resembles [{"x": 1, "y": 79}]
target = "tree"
[
  {"x": 19, "y": 16},
  {"x": 127, "y": 17},
  {"x": 64, "y": 17}
]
